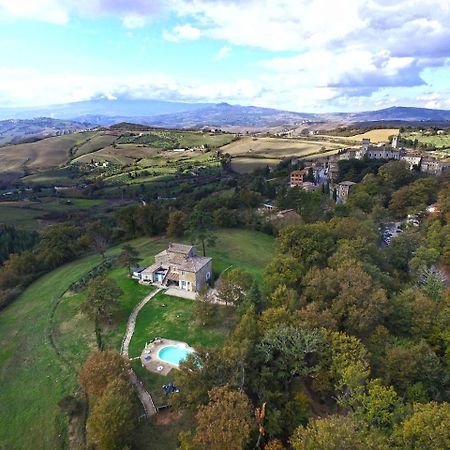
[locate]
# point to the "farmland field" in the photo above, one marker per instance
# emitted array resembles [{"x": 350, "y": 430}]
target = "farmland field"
[
  {"x": 20, "y": 217},
  {"x": 97, "y": 142},
  {"x": 380, "y": 135},
  {"x": 170, "y": 139},
  {"x": 276, "y": 148},
  {"x": 41, "y": 155},
  {"x": 249, "y": 153},
  {"x": 248, "y": 165},
  {"x": 377, "y": 135},
  {"x": 26, "y": 214},
  {"x": 438, "y": 141}
]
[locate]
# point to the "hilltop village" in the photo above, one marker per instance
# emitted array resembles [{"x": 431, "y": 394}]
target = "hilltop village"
[{"x": 326, "y": 170}]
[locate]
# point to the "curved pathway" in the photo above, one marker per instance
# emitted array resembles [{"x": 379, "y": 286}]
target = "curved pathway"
[{"x": 143, "y": 394}]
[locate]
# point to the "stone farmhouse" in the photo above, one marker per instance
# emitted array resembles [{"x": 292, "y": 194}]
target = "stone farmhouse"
[{"x": 178, "y": 267}]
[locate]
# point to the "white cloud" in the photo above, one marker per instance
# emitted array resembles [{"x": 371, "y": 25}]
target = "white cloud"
[
  {"x": 222, "y": 53},
  {"x": 133, "y": 21},
  {"x": 182, "y": 32},
  {"x": 435, "y": 100},
  {"x": 51, "y": 11},
  {"x": 341, "y": 53},
  {"x": 26, "y": 87}
]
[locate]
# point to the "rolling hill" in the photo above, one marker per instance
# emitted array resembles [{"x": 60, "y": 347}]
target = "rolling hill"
[{"x": 16, "y": 131}]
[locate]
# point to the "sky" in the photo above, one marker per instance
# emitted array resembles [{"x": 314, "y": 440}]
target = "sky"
[{"x": 297, "y": 55}]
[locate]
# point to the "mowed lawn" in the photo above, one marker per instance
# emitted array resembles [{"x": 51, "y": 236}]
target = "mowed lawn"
[
  {"x": 32, "y": 376},
  {"x": 173, "y": 318},
  {"x": 248, "y": 250}
]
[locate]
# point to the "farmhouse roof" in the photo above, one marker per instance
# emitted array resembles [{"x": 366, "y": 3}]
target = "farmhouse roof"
[
  {"x": 181, "y": 257},
  {"x": 347, "y": 183},
  {"x": 180, "y": 248},
  {"x": 193, "y": 263}
]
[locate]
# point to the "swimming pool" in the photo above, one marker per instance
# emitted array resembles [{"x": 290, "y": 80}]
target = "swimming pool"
[{"x": 174, "y": 354}]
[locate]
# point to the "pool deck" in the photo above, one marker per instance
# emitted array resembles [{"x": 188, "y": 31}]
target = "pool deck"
[{"x": 155, "y": 364}]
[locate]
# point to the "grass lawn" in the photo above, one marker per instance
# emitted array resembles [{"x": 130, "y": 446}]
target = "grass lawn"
[
  {"x": 246, "y": 249},
  {"x": 176, "y": 321},
  {"x": 32, "y": 378}
]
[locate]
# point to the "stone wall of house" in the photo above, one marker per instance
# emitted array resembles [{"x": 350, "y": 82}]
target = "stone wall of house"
[
  {"x": 202, "y": 276},
  {"x": 189, "y": 277}
]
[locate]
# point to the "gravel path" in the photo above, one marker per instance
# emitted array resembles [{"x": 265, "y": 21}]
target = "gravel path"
[{"x": 143, "y": 394}]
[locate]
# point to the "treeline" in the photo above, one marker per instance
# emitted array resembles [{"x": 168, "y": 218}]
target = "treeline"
[
  {"x": 223, "y": 209},
  {"x": 57, "y": 245},
  {"x": 13, "y": 240},
  {"x": 346, "y": 347}
]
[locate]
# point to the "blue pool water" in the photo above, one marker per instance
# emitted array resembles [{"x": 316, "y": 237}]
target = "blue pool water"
[{"x": 174, "y": 354}]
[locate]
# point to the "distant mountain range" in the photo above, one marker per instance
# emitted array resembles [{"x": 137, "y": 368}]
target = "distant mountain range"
[{"x": 104, "y": 112}]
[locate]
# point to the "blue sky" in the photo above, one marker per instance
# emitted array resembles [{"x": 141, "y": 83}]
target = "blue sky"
[{"x": 302, "y": 55}]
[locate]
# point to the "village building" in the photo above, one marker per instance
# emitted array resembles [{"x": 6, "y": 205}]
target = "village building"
[
  {"x": 342, "y": 191},
  {"x": 333, "y": 168},
  {"x": 179, "y": 267},
  {"x": 309, "y": 186},
  {"x": 297, "y": 177},
  {"x": 432, "y": 166},
  {"x": 412, "y": 159},
  {"x": 380, "y": 151}
]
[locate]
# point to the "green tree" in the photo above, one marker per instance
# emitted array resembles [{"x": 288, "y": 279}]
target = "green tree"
[
  {"x": 101, "y": 302},
  {"x": 226, "y": 218},
  {"x": 427, "y": 429},
  {"x": 129, "y": 257},
  {"x": 379, "y": 406},
  {"x": 349, "y": 368},
  {"x": 97, "y": 235},
  {"x": 101, "y": 369},
  {"x": 357, "y": 303},
  {"x": 395, "y": 173},
  {"x": 204, "y": 306},
  {"x": 284, "y": 297},
  {"x": 337, "y": 433},
  {"x": 253, "y": 299},
  {"x": 176, "y": 225},
  {"x": 201, "y": 229},
  {"x": 226, "y": 422},
  {"x": 58, "y": 245},
  {"x": 311, "y": 244},
  {"x": 199, "y": 373},
  {"x": 284, "y": 270},
  {"x": 233, "y": 285},
  {"x": 151, "y": 219},
  {"x": 113, "y": 419},
  {"x": 287, "y": 352}
]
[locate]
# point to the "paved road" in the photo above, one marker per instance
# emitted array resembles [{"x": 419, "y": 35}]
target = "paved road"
[{"x": 143, "y": 394}]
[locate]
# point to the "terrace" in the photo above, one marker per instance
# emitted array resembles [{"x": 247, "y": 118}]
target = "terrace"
[{"x": 162, "y": 355}]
